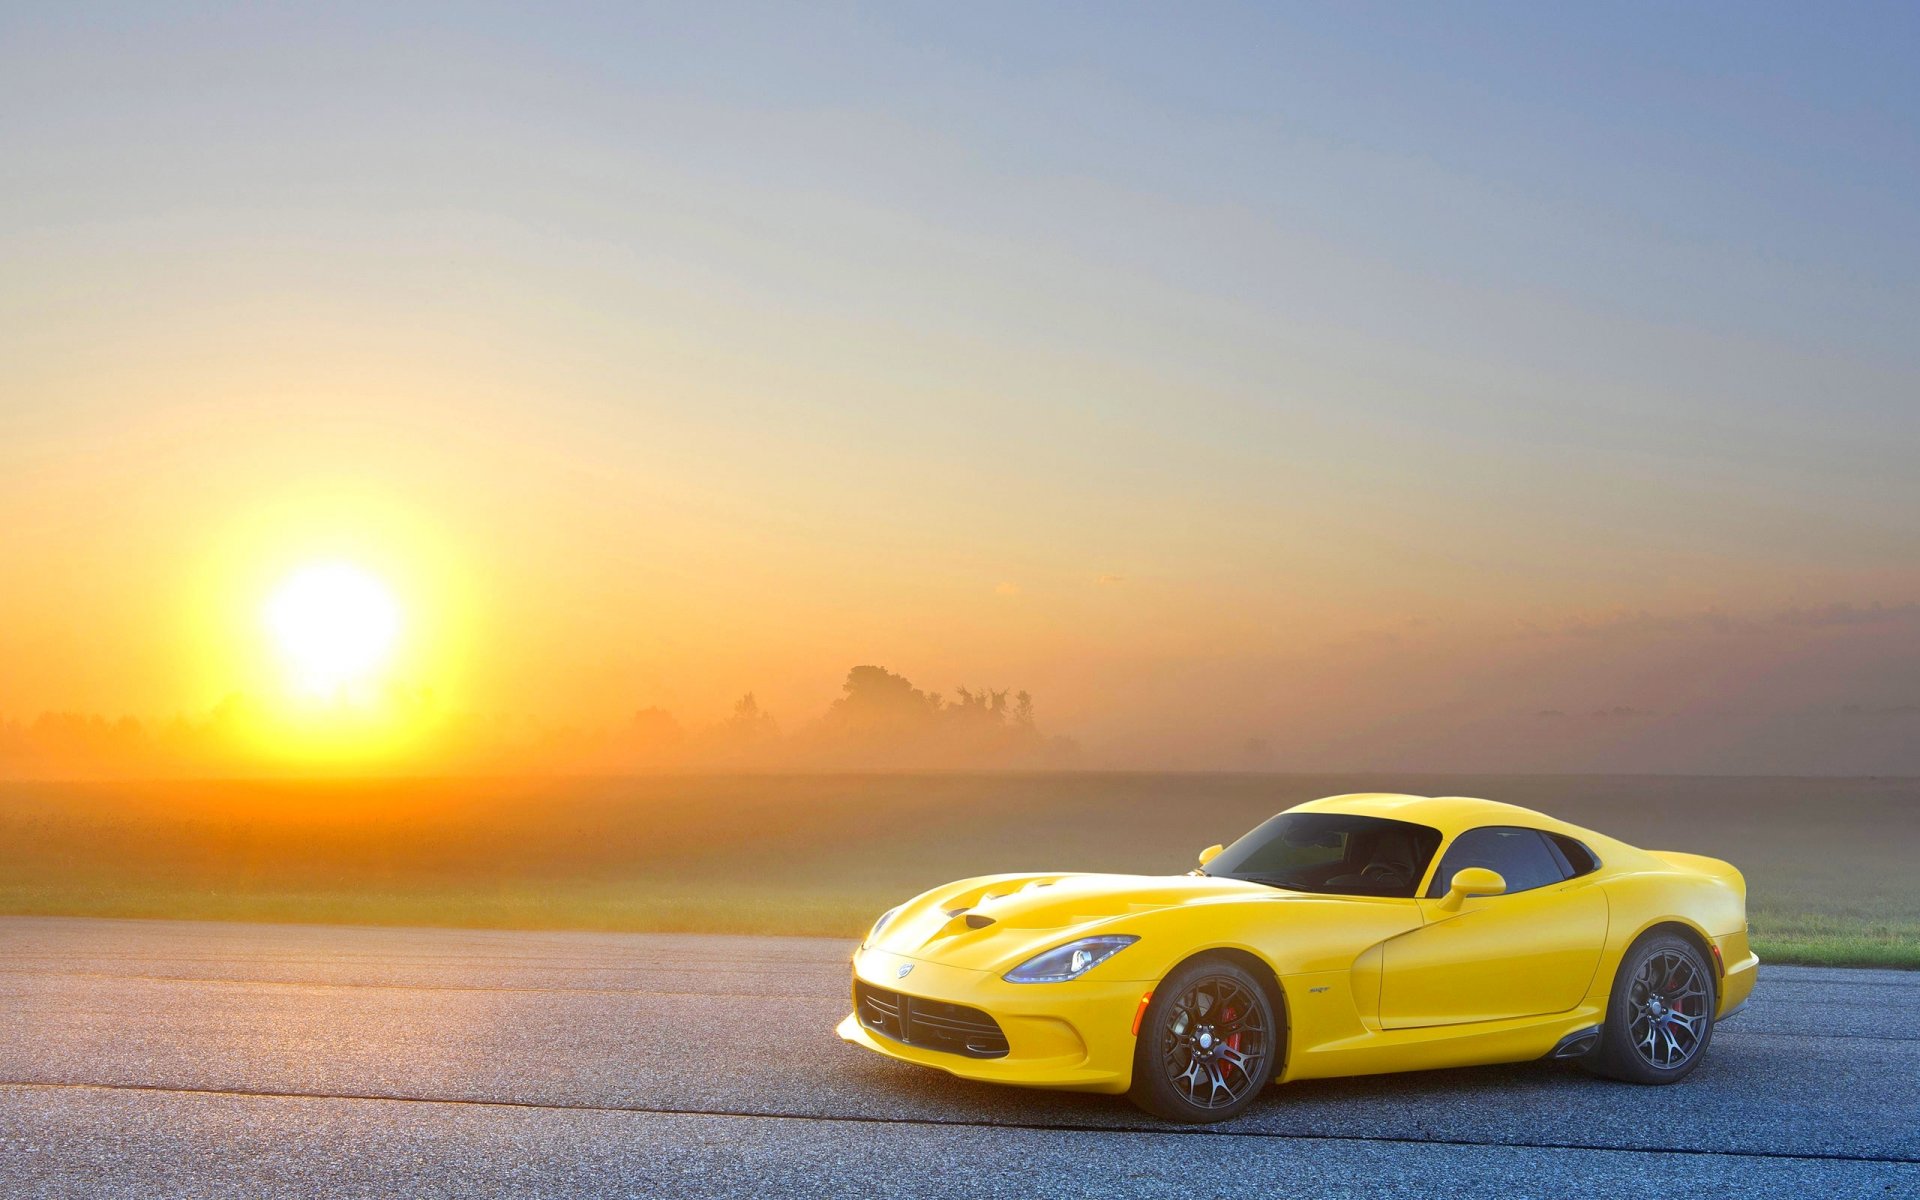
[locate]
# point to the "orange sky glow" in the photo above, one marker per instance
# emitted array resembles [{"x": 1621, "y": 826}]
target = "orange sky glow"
[{"x": 637, "y": 392}]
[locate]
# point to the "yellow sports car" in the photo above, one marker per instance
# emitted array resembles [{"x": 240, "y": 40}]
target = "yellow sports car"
[{"x": 1346, "y": 936}]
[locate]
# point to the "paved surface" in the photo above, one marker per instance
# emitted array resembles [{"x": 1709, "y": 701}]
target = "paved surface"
[{"x": 186, "y": 1059}]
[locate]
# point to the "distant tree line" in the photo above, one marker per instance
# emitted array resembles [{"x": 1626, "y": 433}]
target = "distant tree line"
[{"x": 880, "y": 720}]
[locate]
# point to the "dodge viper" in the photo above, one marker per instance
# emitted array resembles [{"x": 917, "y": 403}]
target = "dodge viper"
[{"x": 1346, "y": 936}]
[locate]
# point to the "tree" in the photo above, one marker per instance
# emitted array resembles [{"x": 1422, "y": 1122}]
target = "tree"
[
  {"x": 749, "y": 726},
  {"x": 1023, "y": 710},
  {"x": 656, "y": 734},
  {"x": 877, "y": 694},
  {"x": 747, "y": 714}
]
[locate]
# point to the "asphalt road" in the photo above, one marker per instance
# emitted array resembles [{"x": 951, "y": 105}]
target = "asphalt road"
[{"x": 185, "y": 1059}]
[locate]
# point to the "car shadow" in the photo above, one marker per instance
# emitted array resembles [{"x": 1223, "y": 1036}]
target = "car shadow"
[{"x": 1421, "y": 1104}]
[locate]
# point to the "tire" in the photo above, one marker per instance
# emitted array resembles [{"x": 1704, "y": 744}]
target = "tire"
[
  {"x": 1660, "y": 1014},
  {"x": 1209, "y": 1042}
]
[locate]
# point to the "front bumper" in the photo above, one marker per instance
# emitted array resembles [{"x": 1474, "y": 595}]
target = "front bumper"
[{"x": 1076, "y": 1035}]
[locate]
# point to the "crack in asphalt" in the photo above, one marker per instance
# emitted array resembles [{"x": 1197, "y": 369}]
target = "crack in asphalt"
[{"x": 927, "y": 1122}]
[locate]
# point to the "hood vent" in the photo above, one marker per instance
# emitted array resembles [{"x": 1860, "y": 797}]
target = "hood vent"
[{"x": 978, "y": 921}]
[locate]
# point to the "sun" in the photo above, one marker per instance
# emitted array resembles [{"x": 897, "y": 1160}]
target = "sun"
[{"x": 335, "y": 625}]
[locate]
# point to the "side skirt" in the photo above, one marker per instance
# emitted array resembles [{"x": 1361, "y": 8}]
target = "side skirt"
[{"x": 1577, "y": 1044}]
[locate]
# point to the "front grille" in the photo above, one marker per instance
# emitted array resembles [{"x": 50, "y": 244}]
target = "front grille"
[{"x": 932, "y": 1024}]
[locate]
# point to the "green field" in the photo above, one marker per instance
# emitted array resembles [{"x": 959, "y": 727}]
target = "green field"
[{"x": 1829, "y": 862}]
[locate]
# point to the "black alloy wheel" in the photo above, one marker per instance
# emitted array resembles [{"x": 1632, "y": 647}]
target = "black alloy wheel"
[
  {"x": 1208, "y": 1044},
  {"x": 1669, "y": 1003},
  {"x": 1660, "y": 1015}
]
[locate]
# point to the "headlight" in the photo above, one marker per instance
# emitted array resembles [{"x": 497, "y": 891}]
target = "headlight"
[
  {"x": 881, "y": 924},
  {"x": 1070, "y": 961}
]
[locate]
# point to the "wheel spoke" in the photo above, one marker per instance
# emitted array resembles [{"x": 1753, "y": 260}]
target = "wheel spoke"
[
  {"x": 1668, "y": 1004},
  {"x": 1216, "y": 1083},
  {"x": 1213, "y": 1042}
]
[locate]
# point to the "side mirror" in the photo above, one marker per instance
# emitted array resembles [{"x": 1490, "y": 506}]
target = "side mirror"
[
  {"x": 1210, "y": 853},
  {"x": 1471, "y": 881}
]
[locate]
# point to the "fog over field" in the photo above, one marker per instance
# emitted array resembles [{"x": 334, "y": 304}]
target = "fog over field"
[{"x": 1828, "y": 861}]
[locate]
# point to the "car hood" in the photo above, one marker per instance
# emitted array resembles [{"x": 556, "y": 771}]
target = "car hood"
[{"x": 997, "y": 922}]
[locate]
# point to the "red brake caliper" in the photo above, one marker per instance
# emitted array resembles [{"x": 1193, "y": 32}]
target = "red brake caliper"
[{"x": 1233, "y": 1039}]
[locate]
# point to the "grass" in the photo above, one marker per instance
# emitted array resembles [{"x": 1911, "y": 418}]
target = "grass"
[
  {"x": 614, "y": 906},
  {"x": 1825, "y": 939},
  {"x": 1827, "y": 861}
]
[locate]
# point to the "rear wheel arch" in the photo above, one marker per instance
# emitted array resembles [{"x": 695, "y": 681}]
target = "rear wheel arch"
[
  {"x": 1701, "y": 905},
  {"x": 1700, "y": 940},
  {"x": 1681, "y": 928}
]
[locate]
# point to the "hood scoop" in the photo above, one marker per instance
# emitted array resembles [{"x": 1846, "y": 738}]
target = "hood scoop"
[{"x": 974, "y": 920}]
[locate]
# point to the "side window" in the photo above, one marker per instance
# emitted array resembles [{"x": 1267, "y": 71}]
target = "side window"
[
  {"x": 1523, "y": 858},
  {"x": 1574, "y": 855}
]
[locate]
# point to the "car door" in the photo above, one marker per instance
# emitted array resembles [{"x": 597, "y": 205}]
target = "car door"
[{"x": 1528, "y": 952}]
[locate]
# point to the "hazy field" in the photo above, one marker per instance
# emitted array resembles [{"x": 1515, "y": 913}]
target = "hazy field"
[{"x": 1830, "y": 862}]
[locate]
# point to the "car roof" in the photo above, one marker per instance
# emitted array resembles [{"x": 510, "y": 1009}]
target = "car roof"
[{"x": 1449, "y": 814}]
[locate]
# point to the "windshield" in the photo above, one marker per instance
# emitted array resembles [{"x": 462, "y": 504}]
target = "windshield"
[{"x": 1331, "y": 852}]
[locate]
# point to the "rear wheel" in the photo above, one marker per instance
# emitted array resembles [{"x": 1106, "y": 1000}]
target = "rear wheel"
[
  {"x": 1660, "y": 1016},
  {"x": 1208, "y": 1043}
]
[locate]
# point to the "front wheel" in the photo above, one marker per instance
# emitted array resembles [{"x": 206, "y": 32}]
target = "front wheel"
[
  {"x": 1660, "y": 1016},
  {"x": 1208, "y": 1043}
]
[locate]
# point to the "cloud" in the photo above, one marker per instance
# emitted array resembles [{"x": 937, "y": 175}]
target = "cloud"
[
  {"x": 1109, "y": 580},
  {"x": 1007, "y": 589},
  {"x": 1880, "y": 710},
  {"x": 1827, "y": 616}
]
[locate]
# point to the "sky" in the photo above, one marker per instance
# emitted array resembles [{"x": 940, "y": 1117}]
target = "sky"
[{"x": 1508, "y": 388}]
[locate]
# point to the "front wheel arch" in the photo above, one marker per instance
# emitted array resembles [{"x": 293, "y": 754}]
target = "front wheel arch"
[{"x": 1269, "y": 980}]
